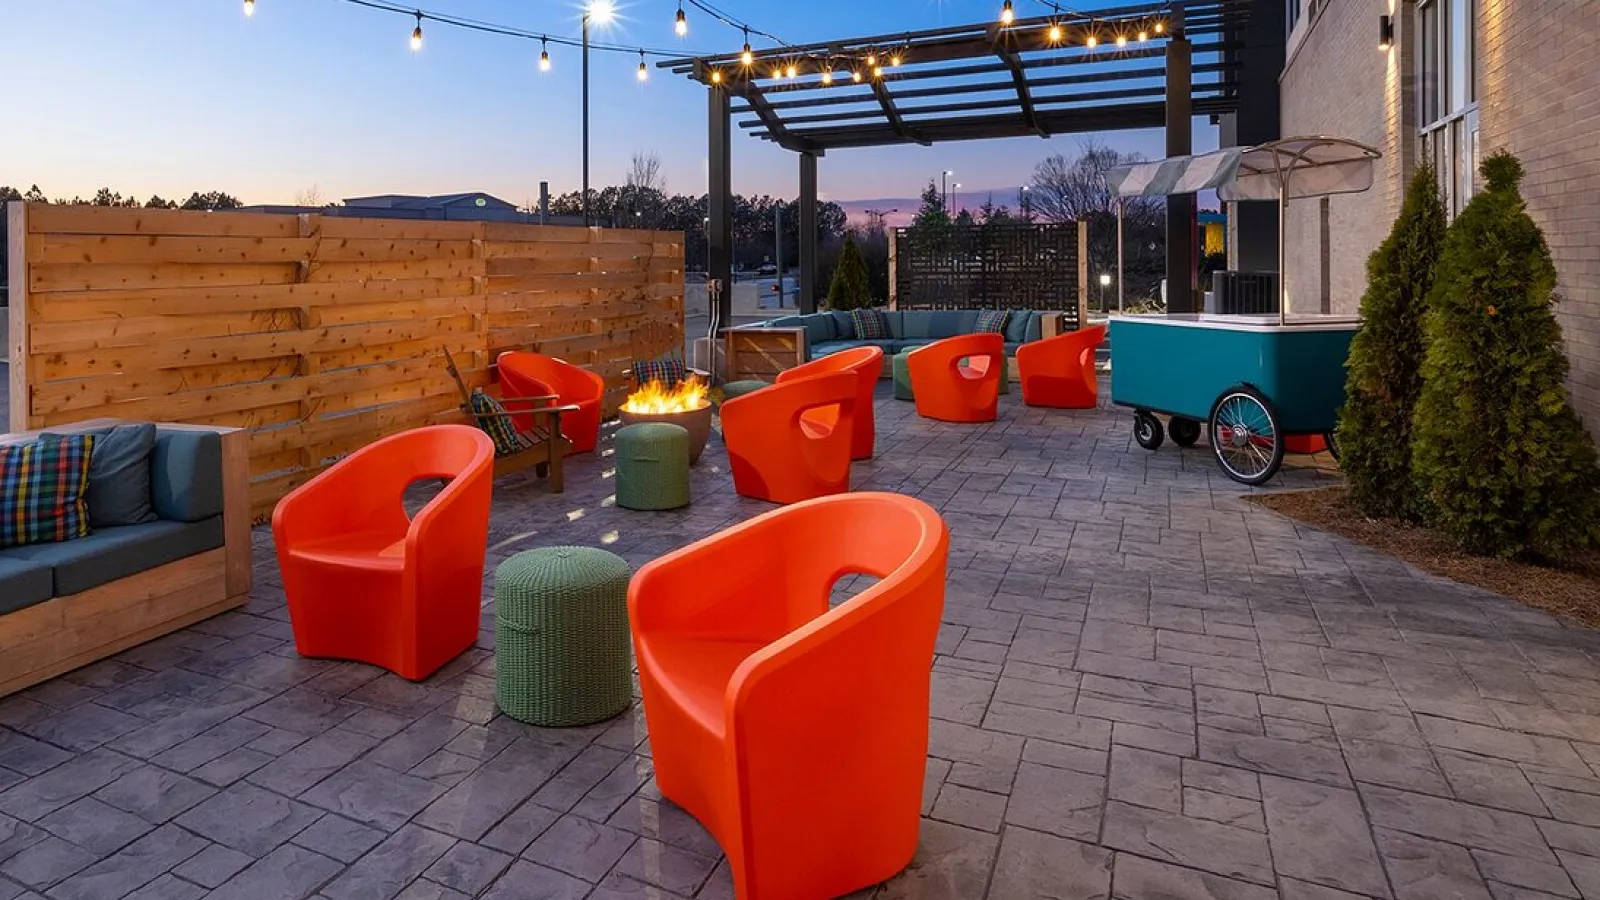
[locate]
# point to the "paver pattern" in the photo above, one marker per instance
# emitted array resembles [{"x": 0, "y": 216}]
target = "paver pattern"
[{"x": 1145, "y": 688}]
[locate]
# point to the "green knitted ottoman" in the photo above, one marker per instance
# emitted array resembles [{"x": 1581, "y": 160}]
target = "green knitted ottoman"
[
  {"x": 902, "y": 376},
  {"x": 739, "y": 388},
  {"x": 562, "y": 647},
  {"x": 652, "y": 466}
]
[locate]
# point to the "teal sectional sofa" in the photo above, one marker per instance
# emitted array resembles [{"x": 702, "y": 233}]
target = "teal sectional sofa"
[{"x": 762, "y": 349}]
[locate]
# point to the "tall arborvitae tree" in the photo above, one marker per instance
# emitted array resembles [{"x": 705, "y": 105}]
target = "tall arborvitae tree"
[
  {"x": 1385, "y": 367},
  {"x": 849, "y": 289},
  {"x": 1505, "y": 462}
]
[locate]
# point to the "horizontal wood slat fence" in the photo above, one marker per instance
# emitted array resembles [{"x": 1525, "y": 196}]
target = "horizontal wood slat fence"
[{"x": 319, "y": 334}]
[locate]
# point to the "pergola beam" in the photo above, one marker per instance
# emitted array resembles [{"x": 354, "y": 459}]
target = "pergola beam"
[
  {"x": 1019, "y": 79},
  {"x": 881, "y": 91}
]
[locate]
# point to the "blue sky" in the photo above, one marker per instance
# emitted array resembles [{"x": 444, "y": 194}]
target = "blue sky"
[{"x": 172, "y": 96}]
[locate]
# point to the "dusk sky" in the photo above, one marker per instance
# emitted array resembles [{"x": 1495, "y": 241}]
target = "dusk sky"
[{"x": 174, "y": 96}]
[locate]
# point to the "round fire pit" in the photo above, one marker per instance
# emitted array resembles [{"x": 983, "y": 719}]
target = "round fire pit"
[{"x": 696, "y": 421}]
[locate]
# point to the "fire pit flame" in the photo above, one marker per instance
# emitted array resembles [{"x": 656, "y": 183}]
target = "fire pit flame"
[{"x": 656, "y": 399}]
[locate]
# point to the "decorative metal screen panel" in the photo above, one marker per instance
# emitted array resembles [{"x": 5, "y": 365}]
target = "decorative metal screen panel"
[{"x": 1009, "y": 266}]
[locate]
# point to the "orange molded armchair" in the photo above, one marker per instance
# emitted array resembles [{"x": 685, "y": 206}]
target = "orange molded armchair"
[
  {"x": 366, "y": 583},
  {"x": 1058, "y": 372},
  {"x": 791, "y": 441},
  {"x": 866, "y": 364},
  {"x": 949, "y": 390},
  {"x": 795, "y": 733},
  {"x": 535, "y": 375}
]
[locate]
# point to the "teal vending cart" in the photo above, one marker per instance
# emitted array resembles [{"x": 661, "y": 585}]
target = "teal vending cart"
[{"x": 1259, "y": 382}]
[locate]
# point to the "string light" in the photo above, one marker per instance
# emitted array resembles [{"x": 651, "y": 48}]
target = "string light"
[
  {"x": 716, "y": 76},
  {"x": 249, "y": 8},
  {"x": 1055, "y": 33},
  {"x": 894, "y": 61},
  {"x": 1144, "y": 36},
  {"x": 877, "y": 71},
  {"x": 827, "y": 76},
  {"x": 872, "y": 59},
  {"x": 791, "y": 71},
  {"x": 416, "y": 35},
  {"x": 777, "y": 73},
  {"x": 544, "y": 55},
  {"x": 1161, "y": 28},
  {"x": 1091, "y": 42},
  {"x": 682, "y": 25},
  {"x": 855, "y": 75},
  {"x": 644, "y": 72},
  {"x": 1007, "y": 14},
  {"x": 745, "y": 56},
  {"x": 1122, "y": 40}
]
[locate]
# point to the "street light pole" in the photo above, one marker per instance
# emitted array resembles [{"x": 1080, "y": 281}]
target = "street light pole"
[
  {"x": 586, "y": 220},
  {"x": 944, "y": 190}
]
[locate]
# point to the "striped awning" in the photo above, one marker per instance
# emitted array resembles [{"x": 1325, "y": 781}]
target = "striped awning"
[{"x": 1291, "y": 168}]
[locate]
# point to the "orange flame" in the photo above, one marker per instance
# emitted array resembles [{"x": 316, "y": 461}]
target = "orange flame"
[{"x": 655, "y": 398}]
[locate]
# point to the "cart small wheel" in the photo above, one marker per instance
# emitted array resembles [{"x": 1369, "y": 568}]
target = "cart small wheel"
[
  {"x": 1147, "y": 430},
  {"x": 1184, "y": 432},
  {"x": 1245, "y": 436},
  {"x": 1332, "y": 440}
]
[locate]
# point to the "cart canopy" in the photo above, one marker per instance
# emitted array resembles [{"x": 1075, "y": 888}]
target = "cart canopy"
[{"x": 1291, "y": 168}]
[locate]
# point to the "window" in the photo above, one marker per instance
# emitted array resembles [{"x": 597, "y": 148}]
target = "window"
[
  {"x": 1291, "y": 15},
  {"x": 1448, "y": 101}
]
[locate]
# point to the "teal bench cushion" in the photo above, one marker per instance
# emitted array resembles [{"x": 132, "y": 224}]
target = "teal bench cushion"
[
  {"x": 1035, "y": 328},
  {"x": 843, "y": 328},
  {"x": 910, "y": 344},
  {"x": 1017, "y": 325},
  {"x": 819, "y": 328},
  {"x": 896, "y": 320},
  {"x": 968, "y": 321},
  {"x": 916, "y": 324},
  {"x": 945, "y": 323},
  {"x": 186, "y": 475},
  {"x": 827, "y": 347},
  {"x": 111, "y": 554},
  {"x": 23, "y": 582}
]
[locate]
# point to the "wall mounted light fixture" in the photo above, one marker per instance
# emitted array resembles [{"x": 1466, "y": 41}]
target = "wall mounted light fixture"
[{"x": 1385, "y": 32}]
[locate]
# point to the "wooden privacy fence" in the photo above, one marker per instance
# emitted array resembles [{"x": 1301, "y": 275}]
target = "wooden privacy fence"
[{"x": 320, "y": 334}]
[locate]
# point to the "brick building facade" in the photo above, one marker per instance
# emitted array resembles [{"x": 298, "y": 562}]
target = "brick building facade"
[{"x": 1463, "y": 78}]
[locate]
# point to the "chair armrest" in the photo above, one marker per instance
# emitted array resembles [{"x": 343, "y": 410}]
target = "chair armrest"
[
  {"x": 715, "y": 587},
  {"x": 341, "y": 499}
]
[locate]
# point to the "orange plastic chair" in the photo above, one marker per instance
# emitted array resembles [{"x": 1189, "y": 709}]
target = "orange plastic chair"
[
  {"x": 958, "y": 379},
  {"x": 866, "y": 363},
  {"x": 1058, "y": 372},
  {"x": 796, "y": 734},
  {"x": 536, "y": 375},
  {"x": 368, "y": 584},
  {"x": 791, "y": 441}
]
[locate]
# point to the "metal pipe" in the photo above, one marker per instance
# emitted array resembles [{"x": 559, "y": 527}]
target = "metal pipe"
[
  {"x": 1121, "y": 279},
  {"x": 1283, "y": 255},
  {"x": 586, "y": 220}
]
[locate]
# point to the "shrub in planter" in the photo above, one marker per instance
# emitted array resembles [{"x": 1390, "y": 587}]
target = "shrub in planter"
[
  {"x": 1385, "y": 365},
  {"x": 849, "y": 289},
  {"x": 1505, "y": 463}
]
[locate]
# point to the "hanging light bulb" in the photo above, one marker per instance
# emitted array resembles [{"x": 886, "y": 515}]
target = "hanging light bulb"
[
  {"x": 1144, "y": 36},
  {"x": 1161, "y": 28},
  {"x": 1091, "y": 42},
  {"x": 827, "y": 75},
  {"x": 894, "y": 60},
  {"x": 249, "y": 8},
  {"x": 1122, "y": 40},
  {"x": 855, "y": 75},
  {"x": 1007, "y": 14},
  {"x": 544, "y": 55},
  {"x": 644, "y": 73},
  {"x": 716, "y": 76},
  {"x": 877, "y": 71},
  {"x": 416, "y": 35},
  {"x": 777, "y": 73},
  {"x": 745, "y": 56},
  {"x": 1055, "y": 33},
  {"x": 791, "y": 71},
  {"x": 872, "y": 59},
  {"x": 682, "y": 25}
]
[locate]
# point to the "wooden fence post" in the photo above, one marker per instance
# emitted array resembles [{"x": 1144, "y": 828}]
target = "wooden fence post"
[
  {"x": 893, "y": 269},
  {"x": 17, "y": 233},
  {"x": 1083, "y": 273}
]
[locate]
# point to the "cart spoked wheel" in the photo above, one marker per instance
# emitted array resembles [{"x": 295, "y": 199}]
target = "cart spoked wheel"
[
  {"x": 1332, "y": 440},
  {"x": 1184, "y": 431},
  {"x": 1245, "y": 436},
  {"x": 1147, "y": 430}
]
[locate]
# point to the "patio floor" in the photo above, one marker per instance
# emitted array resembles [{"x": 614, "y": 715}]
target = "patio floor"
[{"x": 1145, "y": 688}]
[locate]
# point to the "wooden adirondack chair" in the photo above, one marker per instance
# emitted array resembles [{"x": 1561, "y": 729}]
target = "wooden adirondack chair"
[{"x": 541, "y": 446}]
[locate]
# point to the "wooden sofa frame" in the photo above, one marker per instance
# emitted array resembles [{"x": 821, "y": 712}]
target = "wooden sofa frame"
[
  {"x": 54, "y": 637},
  {"x": 761, "y": 352}
]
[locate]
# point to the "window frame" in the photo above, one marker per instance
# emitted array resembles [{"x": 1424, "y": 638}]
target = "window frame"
[{"x": 1451, "y": 138}]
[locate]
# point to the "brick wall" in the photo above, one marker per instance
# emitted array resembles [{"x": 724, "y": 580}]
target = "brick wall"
[{"x": 1539, "y": 89}]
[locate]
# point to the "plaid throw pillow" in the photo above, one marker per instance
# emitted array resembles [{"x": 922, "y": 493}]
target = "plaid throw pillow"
[
  {"x": 41, "y": 490},
  {"x": 870, "y": 324},
  {"x": 669, "y": 370},
  {"x": 993, "y": 320},
  {"x": 491, "y": 416}
]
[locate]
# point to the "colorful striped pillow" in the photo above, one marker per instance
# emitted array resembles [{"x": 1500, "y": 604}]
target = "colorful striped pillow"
[
  {"x": 993, "y": 321},
  {"x": 492, "y": 418},
  {"x": 870, "y": 324},
  {"x": 42, "y": 485}
]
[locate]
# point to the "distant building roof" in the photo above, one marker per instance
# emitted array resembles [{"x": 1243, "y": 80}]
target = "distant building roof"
[{"x": 410, "y": 201}]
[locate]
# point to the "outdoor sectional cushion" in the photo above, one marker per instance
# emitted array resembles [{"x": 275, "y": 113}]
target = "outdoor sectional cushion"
[
  {"x": 895, "y": 319},
  {"x": 843, "y": 328},
  {"x": 114, "y": 553},
  {"x": 916, "y": 325},
  {"x": 945, "y": 323},
  {"x": 1017, "y": 325},
  {"x": 1035, "y": 328},
  {"x": 825, "y": 348},
  {"x": 819, "y": 328},
  {"x": 186, "y": 475},
  {"x": 910, "y": 344},
  {"x": 22, "y": 582},
  {"x": 119, "y": 475}
]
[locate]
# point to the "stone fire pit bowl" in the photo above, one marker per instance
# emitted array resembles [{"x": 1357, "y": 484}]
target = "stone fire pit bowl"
[{"x": 697, "y": 421}]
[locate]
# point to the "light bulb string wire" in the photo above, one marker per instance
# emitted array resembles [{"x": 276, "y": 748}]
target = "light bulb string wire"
[
  {"x": 706, "y": 7},
  {"x": 507, "y": 30}
]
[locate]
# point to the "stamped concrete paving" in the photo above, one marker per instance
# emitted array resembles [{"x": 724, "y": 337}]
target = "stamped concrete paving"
[{"x": 1144, "y": 689}]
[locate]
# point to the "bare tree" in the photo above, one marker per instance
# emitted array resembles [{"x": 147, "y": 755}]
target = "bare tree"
[
  {"x": 645, "y": 173},
  {"x": 311, "y": 196},
  {"x": 1070, "y": 190}
]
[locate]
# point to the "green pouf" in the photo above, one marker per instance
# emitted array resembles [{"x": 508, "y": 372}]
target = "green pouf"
[
  {"x": 902, "y": 377},
  {"x": 562, "y": 646},
  {"x": 739, "y": 388},
  {"x": 652, "y": 466}
]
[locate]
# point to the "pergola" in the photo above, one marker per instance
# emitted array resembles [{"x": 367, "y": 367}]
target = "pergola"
[{"x": 1142, "y": 66}]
